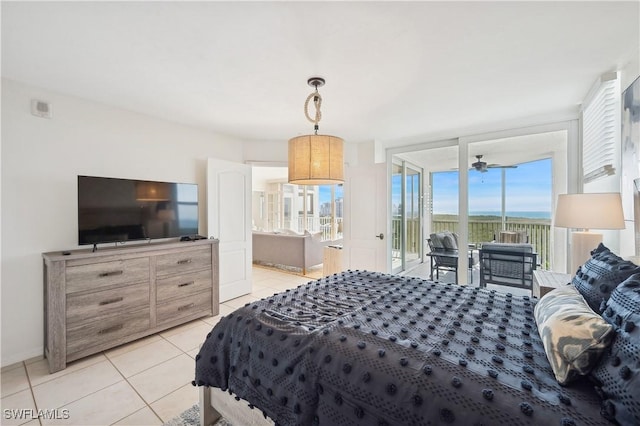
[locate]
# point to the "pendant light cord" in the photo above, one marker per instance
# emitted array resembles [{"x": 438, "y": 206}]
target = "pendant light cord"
[{"x": 317, "y": 102}]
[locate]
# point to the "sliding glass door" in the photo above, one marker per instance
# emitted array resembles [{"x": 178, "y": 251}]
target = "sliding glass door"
[
  {"x": 510, "y": 190},
  {"x": 407, "y": 215},
  {"x": 513, "y": 191}
]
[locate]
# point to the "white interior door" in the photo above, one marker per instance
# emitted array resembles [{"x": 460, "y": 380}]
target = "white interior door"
[
  {"x": 365, "y": 210},
  {"x": 229, "y": 220}
]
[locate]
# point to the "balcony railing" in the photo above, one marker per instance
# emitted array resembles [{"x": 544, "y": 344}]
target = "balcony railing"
[
  {"x": 315, "y": 224},
  {"x": 481, "y": 229},
  {"x": 413, "y": 235}
]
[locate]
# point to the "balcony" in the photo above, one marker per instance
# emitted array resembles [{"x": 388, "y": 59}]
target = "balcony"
[
  {"x": 481, "y": 229},
  {"x": 315, "y": 224}
]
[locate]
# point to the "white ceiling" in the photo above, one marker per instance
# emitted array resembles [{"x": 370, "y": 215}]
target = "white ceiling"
[{"x": 394, "y": 70}]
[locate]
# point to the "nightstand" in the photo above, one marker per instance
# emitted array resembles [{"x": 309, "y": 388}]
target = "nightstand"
[
  {"x": 332, "y": 260},
  {"x": 545, "y": 281}
]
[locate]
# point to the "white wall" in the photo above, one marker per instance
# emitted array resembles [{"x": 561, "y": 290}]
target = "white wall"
[
  {"x": 266, "y": 151},
  {"x": 40, "y": 161},
  {"x": 628, "y": 75},
  {"x": 620, "y": 242},
  {"x": 261, "y": 177}
]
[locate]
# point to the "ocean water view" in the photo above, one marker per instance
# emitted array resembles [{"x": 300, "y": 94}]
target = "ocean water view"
[
  {"x": 524, "y": 192},
  {"x": 525, "y": 214},
  {"x": 539, "y": 215}
]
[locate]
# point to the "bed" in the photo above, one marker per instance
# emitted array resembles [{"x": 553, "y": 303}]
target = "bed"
[{"x": 367, "y": 348}]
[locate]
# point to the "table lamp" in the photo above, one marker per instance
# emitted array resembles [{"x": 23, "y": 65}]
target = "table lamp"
[{"x": 587, "y": 211}]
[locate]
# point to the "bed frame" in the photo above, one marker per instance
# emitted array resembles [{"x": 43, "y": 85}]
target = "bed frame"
[{"x": 236, "y": 412}]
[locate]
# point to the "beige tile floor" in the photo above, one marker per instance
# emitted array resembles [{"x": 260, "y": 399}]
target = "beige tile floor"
[{"x": 146, "y": 382}]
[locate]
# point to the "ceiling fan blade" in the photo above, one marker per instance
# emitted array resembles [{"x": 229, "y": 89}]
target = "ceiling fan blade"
[
  {"x": 478, "y": 169},
  {"x": 498, "y": 166}
]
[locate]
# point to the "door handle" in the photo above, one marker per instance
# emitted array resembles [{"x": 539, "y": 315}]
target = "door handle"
[{"x": 381, "y": 236}]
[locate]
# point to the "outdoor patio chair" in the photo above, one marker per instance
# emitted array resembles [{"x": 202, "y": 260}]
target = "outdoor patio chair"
[
  {"x": 512, "y": 237},
  {"x": 444, "y": 251},
  {"x": 507, "y": 264}
]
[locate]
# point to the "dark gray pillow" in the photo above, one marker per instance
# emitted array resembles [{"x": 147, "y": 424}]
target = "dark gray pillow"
[
  {"x": 449, "y": 241},
  {"x": 444, "y": 240},
  {"x": 618, "y": 374},
  {"x": 436, "y": 241},
  {"x": 597, "y": 278}
]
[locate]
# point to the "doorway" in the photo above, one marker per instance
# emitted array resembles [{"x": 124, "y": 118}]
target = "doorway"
[
  {"x": 407, "y": 219},
  {"x": 450, "y": 200}
]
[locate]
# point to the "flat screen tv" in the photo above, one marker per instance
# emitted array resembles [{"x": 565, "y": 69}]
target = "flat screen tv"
[{"x": 119, "y": 210}]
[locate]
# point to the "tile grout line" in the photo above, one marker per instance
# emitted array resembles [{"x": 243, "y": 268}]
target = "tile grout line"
[
  {"x": 137, "y": 393},
  {"x": 176, "y": 346},
  {"x": 163, "y": 396},
  {"x": 150, "y": 367},
  {"x": 33, "y": 396},
  {"x": 182, "y": 352},
  {"x": 83, "y": 396}
]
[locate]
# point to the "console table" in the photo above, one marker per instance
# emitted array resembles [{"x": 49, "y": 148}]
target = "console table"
[
  {"x": 94, "y": 301},
  {"x": 545, "y": 281}
]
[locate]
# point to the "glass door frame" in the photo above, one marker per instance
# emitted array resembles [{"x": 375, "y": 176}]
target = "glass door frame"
[
  {"x": 560, "y": 242},
  {"x": 404, "y": 262}
]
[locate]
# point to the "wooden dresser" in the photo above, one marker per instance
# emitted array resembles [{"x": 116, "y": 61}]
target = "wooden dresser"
[{"x": 94, "y": 301}]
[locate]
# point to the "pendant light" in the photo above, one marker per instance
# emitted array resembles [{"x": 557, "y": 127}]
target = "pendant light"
[{"x": 315, "y": 159}]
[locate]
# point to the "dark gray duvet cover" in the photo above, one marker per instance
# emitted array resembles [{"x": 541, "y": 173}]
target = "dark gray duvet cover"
[{"x": 363, "y": 348}]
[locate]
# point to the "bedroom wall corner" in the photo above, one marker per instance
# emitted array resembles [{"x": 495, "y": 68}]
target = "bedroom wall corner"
[{"x": 629, "y": 73}]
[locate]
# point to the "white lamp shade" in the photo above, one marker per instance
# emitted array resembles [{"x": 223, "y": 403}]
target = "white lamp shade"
[
  {"x": 316, "y": 160},
  {"x": 590, "y": 211}
]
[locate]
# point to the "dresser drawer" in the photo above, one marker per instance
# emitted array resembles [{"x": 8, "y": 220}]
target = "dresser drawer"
[
  {"x": 184, "y": 261},
  {"x": 96, "y": 275},
  {"x": 81, "y": 307},
  {"x": 183, "y": 285},
  {"x": 103, "y": 330},
  {"x": 184, "y": 307}
]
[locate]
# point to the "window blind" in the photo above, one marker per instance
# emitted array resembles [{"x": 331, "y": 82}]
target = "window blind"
[{"x": 600, "y": 124}]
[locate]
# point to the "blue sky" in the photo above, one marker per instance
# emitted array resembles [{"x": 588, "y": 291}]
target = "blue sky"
[
  {"x": 325, "y": 193},
  {"x": 528, "y": 189}
]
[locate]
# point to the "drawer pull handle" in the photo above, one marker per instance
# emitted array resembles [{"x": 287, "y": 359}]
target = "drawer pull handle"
[
  {"x": 185, "y": 284},
  {"x": 185, "y": 307},
  {"x": 110, "y": 301},
  {"x": 111, "y": 329},
  {"x": 110, "y": 273},
  {"x": 184, "y": 261}
]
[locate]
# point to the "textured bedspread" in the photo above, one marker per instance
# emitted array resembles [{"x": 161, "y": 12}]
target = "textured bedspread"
[{"x": 363, "y": 348}]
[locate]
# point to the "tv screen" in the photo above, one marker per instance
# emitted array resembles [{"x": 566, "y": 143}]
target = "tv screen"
[{"x": 119, "y": 210}]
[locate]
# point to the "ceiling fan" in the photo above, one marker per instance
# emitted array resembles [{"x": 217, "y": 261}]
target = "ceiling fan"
[{"x": 482, "y": 166}]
